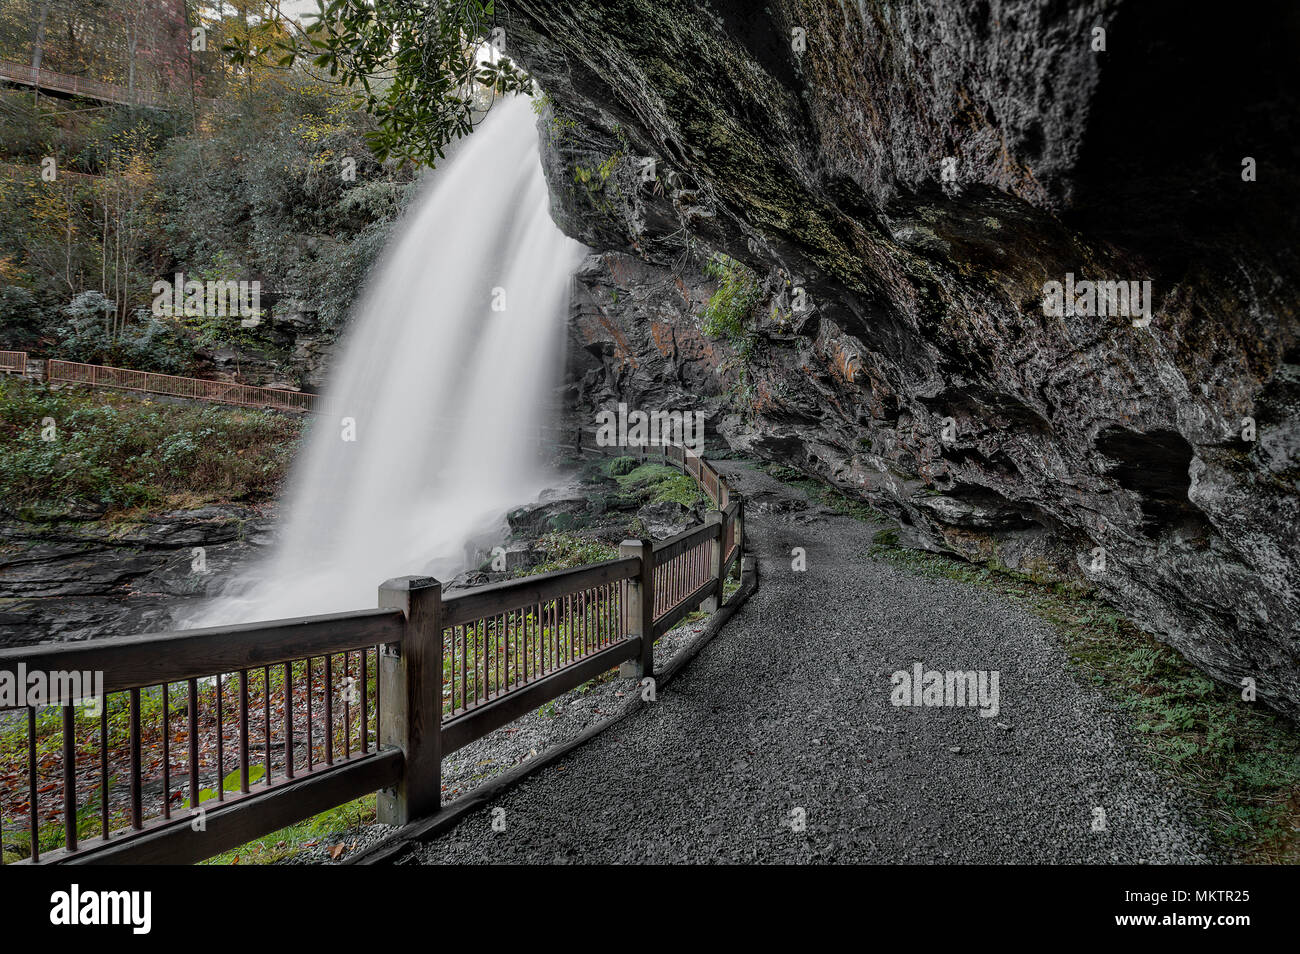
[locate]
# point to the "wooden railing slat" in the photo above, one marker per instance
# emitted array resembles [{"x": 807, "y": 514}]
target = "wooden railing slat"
[
  {"x": 676, "y": 545},
  {"x": 495, "y": 598}
]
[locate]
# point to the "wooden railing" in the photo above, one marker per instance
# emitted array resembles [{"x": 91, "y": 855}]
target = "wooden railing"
[
  {"x": 254, "y": 727},
  {"x": 199, "y": 389},
  {"x": 151, "y": 382},
  {"x": 13, "y": 362}
]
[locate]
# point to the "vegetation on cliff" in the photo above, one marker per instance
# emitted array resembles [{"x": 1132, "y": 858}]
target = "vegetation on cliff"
[
  {"x": 72, "y": 450},
  {"x": 263, "y": 175}
]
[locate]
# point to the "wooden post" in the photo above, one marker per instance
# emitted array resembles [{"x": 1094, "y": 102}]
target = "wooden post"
[
  {"x": 715, "y": 518},
  {"x": 640, "y": 608},
  {"x": 577, "y": 441},
  {"x": 739, "y": 501},
  {"x": 410, "y": 677}
]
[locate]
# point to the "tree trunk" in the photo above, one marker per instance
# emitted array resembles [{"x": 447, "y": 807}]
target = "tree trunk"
[{"x": 38, "y": 40}]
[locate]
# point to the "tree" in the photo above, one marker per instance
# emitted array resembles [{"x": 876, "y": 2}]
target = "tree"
[
  {"x": 416, "y": 63},
  {"x": 42, "y": 13}
]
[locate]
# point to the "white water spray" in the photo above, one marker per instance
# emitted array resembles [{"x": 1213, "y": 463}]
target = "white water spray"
[{"x": 445, "y": 394}]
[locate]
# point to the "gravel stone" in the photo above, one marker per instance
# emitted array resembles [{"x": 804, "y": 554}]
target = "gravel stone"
[{"x": 779, "y": 742}]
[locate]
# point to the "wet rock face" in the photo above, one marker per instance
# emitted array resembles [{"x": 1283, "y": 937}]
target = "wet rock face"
[
  {"x": 923, "y": 372},
  {"x": 74, "y": 576},
  {"x": 634, "y": 338}
]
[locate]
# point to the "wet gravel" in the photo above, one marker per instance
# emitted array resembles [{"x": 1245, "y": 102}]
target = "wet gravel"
[{"x": 779, "y": 742}]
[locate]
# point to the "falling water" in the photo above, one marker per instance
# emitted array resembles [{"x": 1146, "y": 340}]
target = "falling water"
[{"x": 444, "y": 392}]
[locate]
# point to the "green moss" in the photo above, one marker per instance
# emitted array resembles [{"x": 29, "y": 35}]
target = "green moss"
[
  {"x": 621, "y": 466},
  {"x": 652, "y": 482},
  {"x": 680, "y": 489},
  {"x": 727, "y": 312}
]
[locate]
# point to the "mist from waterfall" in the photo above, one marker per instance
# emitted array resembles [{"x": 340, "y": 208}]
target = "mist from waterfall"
[{"x": 443, "y": 393}]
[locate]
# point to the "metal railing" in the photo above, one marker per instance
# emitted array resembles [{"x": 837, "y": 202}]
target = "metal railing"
[
  {"x": 13, "y": 362},
  {"x": 209, "y": 738},
  {"x": 76, "y": 85}
]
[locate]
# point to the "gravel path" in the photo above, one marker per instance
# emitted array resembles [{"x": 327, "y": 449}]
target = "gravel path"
[{"x": 786, "y": 717}]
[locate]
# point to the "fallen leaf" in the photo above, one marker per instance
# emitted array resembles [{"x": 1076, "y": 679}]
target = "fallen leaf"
[{"x": 336, "y": 851}]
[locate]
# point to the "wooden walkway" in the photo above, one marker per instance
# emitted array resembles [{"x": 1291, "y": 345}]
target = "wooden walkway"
[
  {"x": 69, "y": 85},
  {"x": 125, "y": 379}
]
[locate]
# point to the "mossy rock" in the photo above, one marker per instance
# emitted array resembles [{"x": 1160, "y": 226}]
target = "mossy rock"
[
  {"x": 622, "y": 466},
  {"x": 563, "y": 522}
]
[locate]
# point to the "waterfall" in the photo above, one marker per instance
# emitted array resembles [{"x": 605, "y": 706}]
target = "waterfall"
[{"x": 443, "y": 380}]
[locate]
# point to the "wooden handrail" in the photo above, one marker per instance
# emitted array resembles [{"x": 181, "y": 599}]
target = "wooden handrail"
[
  {"x": 153, "y": 659},
  {"x": 665, "y": 550}
]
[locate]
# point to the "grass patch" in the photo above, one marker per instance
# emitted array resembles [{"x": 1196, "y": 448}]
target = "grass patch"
[
  {"x": 1240, "y": 760},
  {"x": 311, "y": 833},
  {"x": 122, "y": 452}
]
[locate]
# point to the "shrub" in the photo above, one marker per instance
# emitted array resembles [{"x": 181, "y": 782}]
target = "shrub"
[
  {"x": 148, "y": 343},
  {"x": 18, "y": 310},
  {"x": 86, "y": 333},
  {"x": 154, "y": 344},
  {"x": 621, "y": 466},
  {"x": 121, "y": 451},
  {"x": 726, "y": 314}
]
